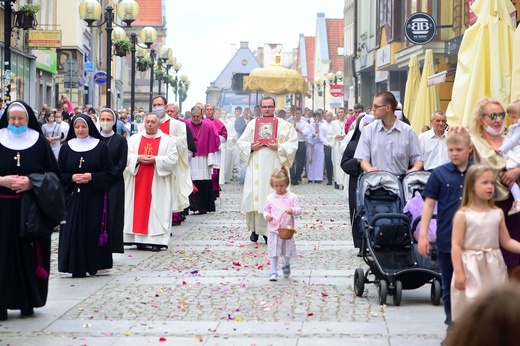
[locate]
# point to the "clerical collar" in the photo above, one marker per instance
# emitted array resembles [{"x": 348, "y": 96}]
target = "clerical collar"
[
  {"x": 106, "y": 135},
  {"x": 18, "y": 142},
  {"x": 80, "y": 145},
  {"x": 159, "y": 133}
]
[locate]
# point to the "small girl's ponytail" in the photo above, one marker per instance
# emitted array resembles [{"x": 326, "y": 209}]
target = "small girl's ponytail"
[{"x": 282, "y": 173}]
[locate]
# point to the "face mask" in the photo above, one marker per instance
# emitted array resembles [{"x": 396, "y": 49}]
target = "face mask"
[
  {"x": 17, "y": 130},
  {"x": 159, "y": 111},
  {"x": 58, "y": 121},
  {"x": 139, "y": 120},
  {"x": 106, "y": 125},
  {"x": 494, "y": 132},
  {"x": 51, "y": 120}
]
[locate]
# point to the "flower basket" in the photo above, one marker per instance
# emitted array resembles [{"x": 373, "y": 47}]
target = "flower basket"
[
  {"x": 26, "y": 16},
  {"x": 121, "y": 47},
  {"x": 25, "y": 21},
  {"x": 142, "y": 66},
  {"x": 286, "y": 230}
]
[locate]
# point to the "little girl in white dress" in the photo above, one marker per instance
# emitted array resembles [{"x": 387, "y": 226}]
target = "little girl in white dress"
[{"x": 479, "y": 230}]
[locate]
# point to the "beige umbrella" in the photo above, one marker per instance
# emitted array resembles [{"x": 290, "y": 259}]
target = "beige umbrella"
[
  {"x": 484, "y": 60},
  {"x": 515, "y": 74},
  {"x": 427, "y": 100},
  {"x": 412, "y": 85}
]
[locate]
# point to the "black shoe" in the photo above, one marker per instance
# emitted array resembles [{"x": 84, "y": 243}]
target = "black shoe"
[
  {"x": 294, "y": 182},
  {"x": 329, "y": 182},
  {"x": 336, "y": 186},
  {"x": 155, "y": 248},
  {"x": 27, "y": 312},
  {"x": 253, "y": 237},
  {"x": 360, "y": 253},
  {"x": 92, "y": 272},
  {"x": 3, "y": 314},
  {"x": 265, "y": 238},
  {"x": 317, "y": 181},
  {"x": 79, "y": 275},
  {"x": 310, "y": 181}
]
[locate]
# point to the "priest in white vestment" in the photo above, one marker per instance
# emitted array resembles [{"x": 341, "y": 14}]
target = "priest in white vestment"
[
  {"x": 150, "y": 186},
  {"x": 335, "y": 137},
  {"x": 262, "y": 161},
  {"x": 177, "y": 130}
]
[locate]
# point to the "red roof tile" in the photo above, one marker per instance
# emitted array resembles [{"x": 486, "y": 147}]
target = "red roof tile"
[
  {"x": 151, "y": 13},
  {"x": 309, "y": 45},
  {"x": 335, "y": 39}
]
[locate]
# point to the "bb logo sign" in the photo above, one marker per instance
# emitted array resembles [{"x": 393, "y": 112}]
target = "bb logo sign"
[{"x": 420, "y": 28}]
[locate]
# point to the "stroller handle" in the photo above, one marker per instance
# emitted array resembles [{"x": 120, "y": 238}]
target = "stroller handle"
[{"x": 381, "y": 216}]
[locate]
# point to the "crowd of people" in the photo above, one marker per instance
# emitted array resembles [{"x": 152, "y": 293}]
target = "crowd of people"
[{"x": 126, "y": 180}]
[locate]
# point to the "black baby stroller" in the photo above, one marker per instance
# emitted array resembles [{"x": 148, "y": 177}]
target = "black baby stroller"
[{"x": 387, "y": 241}]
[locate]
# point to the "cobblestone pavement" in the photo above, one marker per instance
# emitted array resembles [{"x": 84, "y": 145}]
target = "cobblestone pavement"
[{"x": 211, "y": 288}]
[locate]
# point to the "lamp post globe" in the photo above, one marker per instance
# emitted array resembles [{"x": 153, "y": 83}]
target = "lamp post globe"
[
  {"x": 148, "y": 35},
  {"x": 90, "y": 11},
  {"x": 128, "y": 11}
]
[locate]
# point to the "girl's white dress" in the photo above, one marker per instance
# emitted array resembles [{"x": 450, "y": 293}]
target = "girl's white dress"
[
  {"x": 275, "y": 206},
  {"x": 482, "y": 260}
]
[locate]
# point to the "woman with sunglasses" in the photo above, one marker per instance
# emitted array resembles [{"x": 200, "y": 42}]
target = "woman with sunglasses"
[{"x": 486, "y": 130}]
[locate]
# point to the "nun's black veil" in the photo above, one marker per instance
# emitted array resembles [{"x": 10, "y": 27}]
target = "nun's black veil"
[
  {"x": 32, "y": 122},
  {"x": 92, "y": 130}
]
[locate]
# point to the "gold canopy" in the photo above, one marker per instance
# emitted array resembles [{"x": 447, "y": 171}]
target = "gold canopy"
[{"x": 276, "y": 80}]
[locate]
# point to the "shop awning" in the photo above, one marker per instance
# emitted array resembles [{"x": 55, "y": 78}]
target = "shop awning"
[{"x": 440, "y": 77}]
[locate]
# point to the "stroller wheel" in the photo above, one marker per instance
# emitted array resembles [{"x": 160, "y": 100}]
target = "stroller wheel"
[
  {"x": 359, "y": 282},
  {"x": 436, "y": 292},
  {"x": 383, "y": 291},
  {"x": 398, "y": 294}
]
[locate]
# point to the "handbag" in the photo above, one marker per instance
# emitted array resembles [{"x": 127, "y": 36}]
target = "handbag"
[{"x": 286, "y": 230}]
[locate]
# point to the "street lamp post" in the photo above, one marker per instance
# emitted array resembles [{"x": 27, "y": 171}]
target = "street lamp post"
[
  {"x": 90, "y": 12},
  {"x": 172, "y": 62},
  {"x": 152, "y": 67},
  {"x": 163, "y": 55},
  {"x": 147, "y": 35},
  {"x": 7, "y": 48},
  {"x": 182, "y": 84},
  {"x": 332, "y": 79}
]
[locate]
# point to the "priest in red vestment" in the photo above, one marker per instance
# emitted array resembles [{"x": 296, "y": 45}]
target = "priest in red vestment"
[{"x": 150, "y": 187}]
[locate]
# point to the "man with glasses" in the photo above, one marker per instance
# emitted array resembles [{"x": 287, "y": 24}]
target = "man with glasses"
[
  {"x": 262, "y": 160},
  {"x": 388, "y": 144},
  {"x": 433, "y": 142}
]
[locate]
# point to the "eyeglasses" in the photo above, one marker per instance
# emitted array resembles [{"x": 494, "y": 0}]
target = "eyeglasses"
[
  {"x": 494, "y": 116},
  {"x": 378, "y": 106},
  {"x": 266, "y": 107}
]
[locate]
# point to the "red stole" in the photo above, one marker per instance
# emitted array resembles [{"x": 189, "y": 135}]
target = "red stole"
[
  {"x": 143, "y": 186},
  {"x": 165, "y": 127}
]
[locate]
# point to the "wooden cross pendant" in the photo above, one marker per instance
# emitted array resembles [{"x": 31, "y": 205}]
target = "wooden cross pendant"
[
  {"x": 81, "y": 161},
  {"x": 17, "y": 158}
]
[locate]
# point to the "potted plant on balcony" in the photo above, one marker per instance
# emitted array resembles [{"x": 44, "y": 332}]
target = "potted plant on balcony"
[
  {"x": 26, "y": 16},
  {"x": 121, "y": 47},
  {"x": 143, "y": 63}
]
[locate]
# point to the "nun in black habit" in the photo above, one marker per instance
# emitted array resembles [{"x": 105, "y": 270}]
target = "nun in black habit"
[
  {"x": 118, "y": 149},
  {"x": 86, "y": 174},
  {"x": 24, "y": 151}
]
